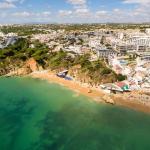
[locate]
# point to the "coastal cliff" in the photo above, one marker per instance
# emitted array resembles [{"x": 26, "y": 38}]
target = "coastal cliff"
[{"x": 25, "y": 68}]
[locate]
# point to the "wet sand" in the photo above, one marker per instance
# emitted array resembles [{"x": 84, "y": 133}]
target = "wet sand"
[{"x": 94, "y": 93}]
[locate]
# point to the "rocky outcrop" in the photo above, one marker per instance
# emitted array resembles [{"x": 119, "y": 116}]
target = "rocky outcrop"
[
  {"x": 32, "y": 64},
  {"x": 107, "y": 99},
  {"x": 19, "y": 72},
  {"x": 28, "y": 67},
  {"x": 2, "y": 71}
]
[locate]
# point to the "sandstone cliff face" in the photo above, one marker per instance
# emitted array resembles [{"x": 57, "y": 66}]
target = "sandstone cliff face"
[
  {"x": 7, "y": 69},
  {"x": 28, "y": 67},
  {"x": 32, "y": 64},
  {"x": 23, "y": 71}
]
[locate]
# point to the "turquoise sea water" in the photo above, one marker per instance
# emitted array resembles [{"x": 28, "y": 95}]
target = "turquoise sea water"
[{"x": 36, "y": 115}]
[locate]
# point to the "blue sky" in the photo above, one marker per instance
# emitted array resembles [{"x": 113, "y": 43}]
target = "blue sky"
[{"x": 74, "y": 11}]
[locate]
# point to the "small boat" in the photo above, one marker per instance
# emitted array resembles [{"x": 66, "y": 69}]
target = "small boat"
[{"x": 62, "y": 74}]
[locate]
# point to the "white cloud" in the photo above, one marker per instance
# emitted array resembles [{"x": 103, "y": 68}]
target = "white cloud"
[
  {"x": 102, "y": 16},
  {"x": 65, "y": 13},
  {"x": 6, "y": 5},
  {"x": 136, "y": 1},
  {"x": 77, "y": 2},
  {"x": 116, "y": 10},
  {"x": 13, "y": 1},
  {"x": 75, "y": 13},
  {"x": 22, "y": 14},
  {"x": 80, "y": 12},
  {"x": 31, "y": 14},
  {"x": 102, "y": 12},
  {"x": 46, "y": 13}
]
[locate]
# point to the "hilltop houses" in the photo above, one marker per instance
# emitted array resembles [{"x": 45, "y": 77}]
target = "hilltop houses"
[{"x": 7, "y": 39}]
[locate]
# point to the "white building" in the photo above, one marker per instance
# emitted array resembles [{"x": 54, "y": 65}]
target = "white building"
[
  {"x": 141, "y": 42},
  {"x": 94, "y": 42},
  {"x": 2, "y": 34},
  {"x": 11, "y": 34},
  {"x": 76, "y": 49},
  {"x": 147, "y": 30}
]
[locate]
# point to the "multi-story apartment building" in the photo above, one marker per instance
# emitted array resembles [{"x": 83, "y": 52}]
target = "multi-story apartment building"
[{"x": 141, "y": 43}]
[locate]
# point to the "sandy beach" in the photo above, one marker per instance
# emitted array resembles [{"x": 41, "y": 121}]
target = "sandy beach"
[
  {"x": 94, "y": 93},
  {"x": 73, "y": 85}
]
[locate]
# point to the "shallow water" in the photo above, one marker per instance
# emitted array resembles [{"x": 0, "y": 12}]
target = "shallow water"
[{"x": 36, "y": 115}]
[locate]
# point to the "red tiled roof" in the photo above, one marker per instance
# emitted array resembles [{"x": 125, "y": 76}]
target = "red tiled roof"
[{"x": 121, "y": 84}]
